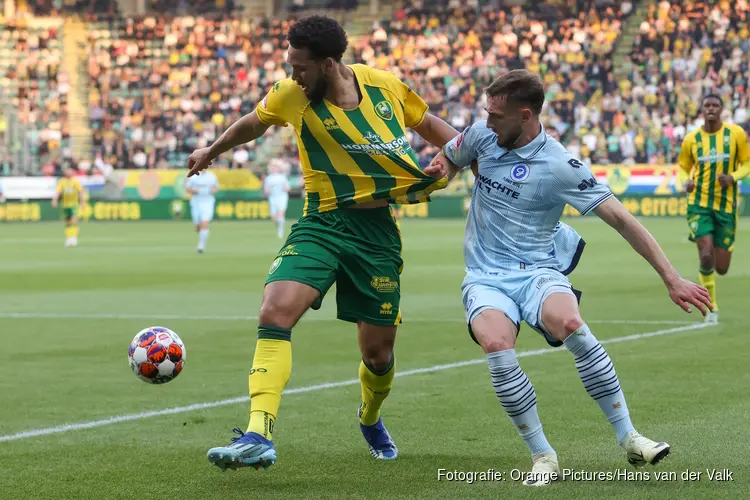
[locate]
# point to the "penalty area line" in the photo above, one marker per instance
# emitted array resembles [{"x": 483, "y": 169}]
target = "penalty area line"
[{"x": 318, "y": 387}]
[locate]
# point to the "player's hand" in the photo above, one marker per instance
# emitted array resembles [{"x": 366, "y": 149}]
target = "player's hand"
[
  {"x": 54, "y": 203},
  {"x": 689, "y": 185},
  {"x": 439, "y": 167},
  {"x": 684, "y": 293},
  {"x": 726, "y": 180},
  {"x": 199, "y": 160}
]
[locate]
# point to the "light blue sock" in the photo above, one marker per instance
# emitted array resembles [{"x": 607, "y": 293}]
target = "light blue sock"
[
  {"x": 599, "y": 378},
  {"x": 518, "y": 398}
]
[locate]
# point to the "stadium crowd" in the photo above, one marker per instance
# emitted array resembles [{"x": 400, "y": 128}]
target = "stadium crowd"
[
  {"x": 33, "y": 84},
  {"x": 163, "y": 85}
]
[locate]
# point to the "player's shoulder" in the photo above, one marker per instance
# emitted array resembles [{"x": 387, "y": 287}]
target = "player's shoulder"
[
  {"x": 735, "y": 129},
  {"x": 378, "y": 78},
  {"x": 286, "y": 91},
  {"x": 555, "y": 154},
  {"x": 691, "y": 136}
]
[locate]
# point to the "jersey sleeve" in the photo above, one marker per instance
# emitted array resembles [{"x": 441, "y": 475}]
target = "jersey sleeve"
[
  {"x": 743, "y": 156},
  {"x": 577, "y": 185},
  {"x": 415, "y": 108},
  {"x": 282, "y": 105},
  {"x": 686, "y": 156},
  {"x": 462, "y": 149}
]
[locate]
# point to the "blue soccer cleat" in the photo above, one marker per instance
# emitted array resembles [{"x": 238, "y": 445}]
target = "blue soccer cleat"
[
  {"x": 381, "y": 445},
  {"x": 249, "y": 450}
]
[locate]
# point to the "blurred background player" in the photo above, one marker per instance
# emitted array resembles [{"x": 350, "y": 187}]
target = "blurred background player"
[
  {"x": 712, "y": 159},
  {"x": 203, "y": 191},
  {"x": 72, "y": 193},
  {"x": 276, "y": 189}
]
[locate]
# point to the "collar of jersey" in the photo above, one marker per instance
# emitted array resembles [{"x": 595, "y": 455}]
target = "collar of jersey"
[{"x": 528, "y": 151}]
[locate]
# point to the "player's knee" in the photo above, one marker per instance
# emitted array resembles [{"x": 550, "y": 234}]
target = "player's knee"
[
  {"x": 497, "y": 344},
  {"x": 707, "y": 259},
  {"x": 377, "y": 358},
  {"x": 564, "y": 326},
  {"x": 722, "y": 269},
  {"x": 278, "y": 312}
]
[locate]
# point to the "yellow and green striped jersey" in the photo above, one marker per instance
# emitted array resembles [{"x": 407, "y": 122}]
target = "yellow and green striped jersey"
[
  {"x": 70, "y": 190},
  {"x": 354, "y": 156},
  {"x": 705, "y": 156}
]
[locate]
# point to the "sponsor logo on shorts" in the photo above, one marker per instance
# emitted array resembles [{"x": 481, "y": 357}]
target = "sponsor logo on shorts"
[
  {"x": 288, "y": 250},
  {"x": 470, "y": 303},
  {"x": 383, "y": 284},
  {"x": 275, "y": 265},
  {"x": 386, "y": 308},
  {"x": 547, "y": 279}
]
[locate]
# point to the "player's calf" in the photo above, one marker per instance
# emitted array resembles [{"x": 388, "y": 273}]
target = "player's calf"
[{"x": 496, "y": 333}]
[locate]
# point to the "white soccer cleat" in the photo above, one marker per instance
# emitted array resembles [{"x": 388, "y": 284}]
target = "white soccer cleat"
[
  {"x": 545, "y": 470},
  {"x": 712, "y": 318},
  {"x": 641, "y": 450}
]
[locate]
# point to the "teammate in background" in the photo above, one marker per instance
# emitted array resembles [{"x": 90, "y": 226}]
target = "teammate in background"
[
  {"x": 2, "y": 193},
  {"x": 73, "y": 197},
  {"x": 276, "y": 189},
  {"x": 350, "y": 123},
  {"x": 202, "y": 202},
  {"x": 514, "y": 273},
  {"x": 712, "y": 160}
]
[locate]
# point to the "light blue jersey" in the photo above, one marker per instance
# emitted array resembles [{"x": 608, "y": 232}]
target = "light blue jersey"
[
  {"x": 203, "y": 202},
  {"x": 204, "y": 183},
  {"x": 518, "y": 198},
  {"x": 516, "y": 250},
  {"x": 276, "y": 185}
]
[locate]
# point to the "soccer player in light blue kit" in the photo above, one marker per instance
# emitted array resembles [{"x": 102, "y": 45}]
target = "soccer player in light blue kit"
[
  {"x": 516, "y": 270},
  {"x": 203, "y": 189},
  {"x": 276, "y": 189}
]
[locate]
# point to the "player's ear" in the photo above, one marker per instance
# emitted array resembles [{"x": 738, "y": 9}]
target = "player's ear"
[
  {"x": 526, "y": 114},
  {"x": 329, "y": 65}
]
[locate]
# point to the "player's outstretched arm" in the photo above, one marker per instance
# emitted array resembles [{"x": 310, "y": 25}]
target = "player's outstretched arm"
[
  {"x": 246, "y": 129},
  {"x": 435, "y": 131},
  {"x": 682, "y": 292}
]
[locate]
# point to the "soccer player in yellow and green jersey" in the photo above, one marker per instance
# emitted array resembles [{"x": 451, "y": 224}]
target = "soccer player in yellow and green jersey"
[
  {"x": 72, "y": 194},
  {"x": 712, "y": 160},
  {"x": 350, "y": 122}
]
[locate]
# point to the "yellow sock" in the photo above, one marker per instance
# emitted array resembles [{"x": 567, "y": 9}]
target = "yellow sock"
[
  {"x": 272, "y": 367},
  {"x": 74, "y": 230},
  {"x": 708, "y": 280},
  {"x": 376, "y": 384},
  {"x": 70, "y": 231}
]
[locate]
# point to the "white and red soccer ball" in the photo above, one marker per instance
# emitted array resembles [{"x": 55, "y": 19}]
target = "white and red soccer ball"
[{"x": 157, "y": 355}]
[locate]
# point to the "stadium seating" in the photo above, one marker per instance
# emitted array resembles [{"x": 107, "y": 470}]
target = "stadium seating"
[{"x": 34, "y": 134}]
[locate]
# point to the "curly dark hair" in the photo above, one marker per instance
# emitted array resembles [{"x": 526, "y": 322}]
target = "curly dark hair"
[{"x": 322, "y": 36}]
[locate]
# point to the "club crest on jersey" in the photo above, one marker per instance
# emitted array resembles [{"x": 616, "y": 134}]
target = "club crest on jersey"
[
  {"x": 519, "y": 172},
  {"x": 384, "y": 110}
]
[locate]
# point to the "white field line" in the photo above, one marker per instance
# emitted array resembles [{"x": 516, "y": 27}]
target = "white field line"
[
  {"x": 212, "y": 317},
  {"x": 313, "y": 388}
]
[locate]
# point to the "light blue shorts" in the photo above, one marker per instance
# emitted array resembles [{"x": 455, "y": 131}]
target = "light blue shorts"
[
  {"x": 202, "y": 211},
  {"x": 278, "y": 204},
  {"x": 518, "y": 294}
]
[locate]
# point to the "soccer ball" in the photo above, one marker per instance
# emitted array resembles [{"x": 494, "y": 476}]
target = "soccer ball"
[{"x": 157, "y": 355}]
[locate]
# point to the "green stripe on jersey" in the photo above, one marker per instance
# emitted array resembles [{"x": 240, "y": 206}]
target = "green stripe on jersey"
[
  {"x": 701, "y": 168},
  {"x": 384, "y": 181},
  {"x": 712, "y": 186},
  {"x": 726, "y": 148},
  {"x": 319, "y": 160},
  {"x": 376, "y": 95}
]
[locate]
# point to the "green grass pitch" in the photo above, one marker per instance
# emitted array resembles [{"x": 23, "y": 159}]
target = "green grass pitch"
[{"x": 67, "y": 316}]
